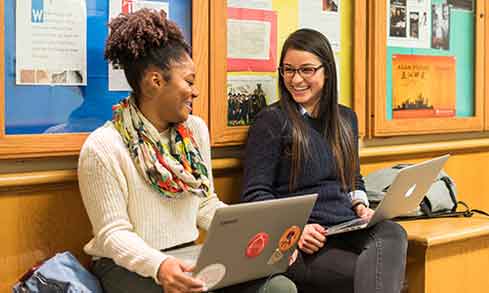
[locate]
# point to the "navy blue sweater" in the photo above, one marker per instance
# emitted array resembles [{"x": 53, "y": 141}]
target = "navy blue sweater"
[{"x": 268, "y": 164}]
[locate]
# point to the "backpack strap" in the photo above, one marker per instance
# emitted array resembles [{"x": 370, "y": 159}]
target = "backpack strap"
[
  {"x": 449, "y": 184},
  {"x": 467, "y": 213},
  {"x": 425, "y": 207},
  {"x": 470, "y": 212}
]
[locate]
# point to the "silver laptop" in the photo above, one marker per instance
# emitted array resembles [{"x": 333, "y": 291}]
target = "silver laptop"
[
  {"x": 248, "y": 241},
  {"x": 403, "y": 196}
]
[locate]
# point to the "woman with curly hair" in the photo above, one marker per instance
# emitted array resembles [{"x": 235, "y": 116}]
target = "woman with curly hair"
[{"x": 146, "y": 177}]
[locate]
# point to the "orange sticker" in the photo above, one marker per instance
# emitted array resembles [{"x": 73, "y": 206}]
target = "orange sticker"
[
  {"x": 256, "y": 245},
  {"x": 289, "y": 238}
]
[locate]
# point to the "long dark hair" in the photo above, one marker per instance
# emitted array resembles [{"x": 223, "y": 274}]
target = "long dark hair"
[{"x": 335, "y": 128}]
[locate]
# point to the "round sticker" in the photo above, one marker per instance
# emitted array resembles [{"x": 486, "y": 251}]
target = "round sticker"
[
  {"x": 289, "y": 238},
  {"x": 256, "y": 245},
  {"x": 212, "y": 274}
]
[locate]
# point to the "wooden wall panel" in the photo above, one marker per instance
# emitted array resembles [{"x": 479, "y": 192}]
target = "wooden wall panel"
[
  {"x": 35, "y": 224},
  {"x": 458, "y": 267}
]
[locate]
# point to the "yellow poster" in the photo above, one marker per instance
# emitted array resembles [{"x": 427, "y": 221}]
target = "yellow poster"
[{"x": 423, "y": 86}]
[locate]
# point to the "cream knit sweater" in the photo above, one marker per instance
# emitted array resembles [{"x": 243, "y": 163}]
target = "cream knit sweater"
[{"x": 131, "y": 222}]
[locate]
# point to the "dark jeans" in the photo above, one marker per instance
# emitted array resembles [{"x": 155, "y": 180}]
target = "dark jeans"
[
  {"x": 369, "y": 260},
  {"x": 116, "y": 279}
]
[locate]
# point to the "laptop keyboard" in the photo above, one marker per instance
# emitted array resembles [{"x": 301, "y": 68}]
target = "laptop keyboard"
[
  {"x": 346, "y": 226},
  {"x": 188, "y": 254}
]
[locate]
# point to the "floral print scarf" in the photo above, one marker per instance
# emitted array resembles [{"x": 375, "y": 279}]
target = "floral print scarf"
[{"x": 170, "y": 168}]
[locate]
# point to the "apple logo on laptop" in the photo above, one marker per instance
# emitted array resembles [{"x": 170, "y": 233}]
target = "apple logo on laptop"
[{"x": 410, "y": 191}]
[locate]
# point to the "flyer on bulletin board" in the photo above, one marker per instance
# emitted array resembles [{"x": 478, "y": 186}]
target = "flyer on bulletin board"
[
  {"x": 323, "y": 16},
  {"x": 423, "y": 86},
  {"x": 247, "y": 95},
  {"x": 409, "y": 23},
  {"x": 117, "y": 79},
  {"x": 251, "y": 40},
  {"x": 51, "y": 42}
]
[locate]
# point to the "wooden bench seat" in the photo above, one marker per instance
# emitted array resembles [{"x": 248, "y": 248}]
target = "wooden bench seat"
[{"x": 448, "y": 255}]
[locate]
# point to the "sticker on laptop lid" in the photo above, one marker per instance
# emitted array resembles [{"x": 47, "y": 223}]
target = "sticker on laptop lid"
[
  {"x": 289, "y": 238},
  {"x": 256, "y": 245},
  {"x": 277, "y": 255},
  {"x": 212, "y": 274}
]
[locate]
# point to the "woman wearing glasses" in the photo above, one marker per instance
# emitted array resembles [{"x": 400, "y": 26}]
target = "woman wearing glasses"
[{"x": 308, "y": 143}]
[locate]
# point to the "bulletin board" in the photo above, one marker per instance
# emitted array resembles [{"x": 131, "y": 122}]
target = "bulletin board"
[
  {"x": 433, "y": 89},
  {"x": 36, "y": 109},
  {"x": 460, "y": 46},
  {"x": 40, "y": 120},
  {"x": 230, "y": 73}
]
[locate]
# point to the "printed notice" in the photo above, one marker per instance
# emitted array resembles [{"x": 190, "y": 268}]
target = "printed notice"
[
  {"x": 253, "y": 4},
  {"x": 252, "y": 40},
  {"x": 408, "y": 23},
  {"x": 248, "y": 39},
  {"x": 51, "y": 42},
  {"x": 423, "y": 86},
  {"x": 247, "y": 95},
  {"x": 117, "y": 79},
  {"x": 323, "y": 16}
]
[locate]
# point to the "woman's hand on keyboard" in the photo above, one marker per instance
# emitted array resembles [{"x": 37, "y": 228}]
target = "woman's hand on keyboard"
[{"x": 363, "y": 212}]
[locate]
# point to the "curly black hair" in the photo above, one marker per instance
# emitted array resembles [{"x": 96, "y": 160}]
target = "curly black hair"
[{"x": 143, "y": 38}]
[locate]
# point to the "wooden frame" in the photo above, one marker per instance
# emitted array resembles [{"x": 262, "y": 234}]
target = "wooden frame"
[
  {"x": 360, "y": 64},
  {"x": 378, "y": 124},
  {"x": 39, "y": 145},
  {"x": 200, "y": 56},
  {"x": 223, "y": 135},
  {"x": 486, "y": 70}
]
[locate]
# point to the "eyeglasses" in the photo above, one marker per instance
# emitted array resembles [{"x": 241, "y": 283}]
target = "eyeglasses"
[{"x": 305, "y": 72}]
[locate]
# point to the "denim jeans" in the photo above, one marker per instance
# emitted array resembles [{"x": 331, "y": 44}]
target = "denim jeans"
[
  {"x": 369, "y": 260},
  {"x": 60, "y": 274},
  {"x": 116, "y": 279}
]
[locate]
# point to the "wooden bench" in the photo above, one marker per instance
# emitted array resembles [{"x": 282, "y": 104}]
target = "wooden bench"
[
  {"x": 445, "y": 255},
  {"x": 448, "y": 255}
]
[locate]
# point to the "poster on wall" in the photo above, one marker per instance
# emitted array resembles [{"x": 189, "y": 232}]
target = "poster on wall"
[
  {"x": 247, "y": 95},
  {"x": 253, "y": 4},
  {"x": 117, "y": 79},
  {"x": 323, "y": 16},
  {"x": 251, "y": 40},
  {"x": 423, "y": 86},
  {"x": 408, "y": 23},
  {"x": 440, "y": 15},
  {"x": 462, "y": 4},
  {"x": 51, "y": 42}
]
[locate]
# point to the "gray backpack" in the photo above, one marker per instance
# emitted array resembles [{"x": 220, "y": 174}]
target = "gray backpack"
[{"x": 440, "y": 200}]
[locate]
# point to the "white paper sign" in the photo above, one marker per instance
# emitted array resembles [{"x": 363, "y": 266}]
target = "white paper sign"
[
  {"x": 252, "y": 4},
  {"x": 248, "y": 39},
  {"x": 323, "y": 16},
  {"x": 408, "y": 23},
  {"x": 51, "y": 42},
  {"x": 117, "y": 79}
]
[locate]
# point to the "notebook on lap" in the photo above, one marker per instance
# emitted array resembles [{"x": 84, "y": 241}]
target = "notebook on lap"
[
  {"x": 248, "y": 241},
  {"x": 403, "y": 196}
]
